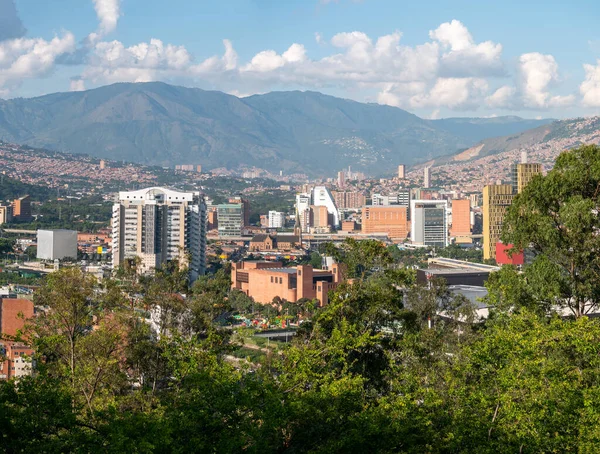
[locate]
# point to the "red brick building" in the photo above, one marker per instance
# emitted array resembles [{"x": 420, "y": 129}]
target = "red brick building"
[
  {"x": 13, "y": 313},
  {"x": 264, "y": 281},
  {"x": 263, "y": 242}
]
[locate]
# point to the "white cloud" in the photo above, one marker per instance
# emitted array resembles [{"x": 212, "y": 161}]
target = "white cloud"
[
  {"x": 455, "y": 93},
  {"x": 269, "y": 60},
  {"x": 108, "y": 12},
  {"x": 538, "y": 72},
  {"x": 77, "y": 85},
  {"x": 503, "y": 97},
  {"x": 28, "y": 58},
  {"x": 319, "y": 38},
  {"x": 462, "y": 57},
  {"x": 590, "y": 87}
]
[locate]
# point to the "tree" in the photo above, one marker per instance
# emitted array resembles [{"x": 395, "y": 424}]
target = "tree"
[{"x": 556, "y": 217}]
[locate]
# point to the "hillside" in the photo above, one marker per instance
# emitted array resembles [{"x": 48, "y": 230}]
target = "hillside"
[
  {"x": 552, "y": 137},
  {"x": 156, "y": 123},
  {"x": 490, "y": 160}
]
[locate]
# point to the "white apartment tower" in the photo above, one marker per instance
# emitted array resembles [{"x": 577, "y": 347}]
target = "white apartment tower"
[{"x": 159, "y": 225}]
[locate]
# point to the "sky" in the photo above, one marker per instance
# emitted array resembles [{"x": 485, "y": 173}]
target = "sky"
[{"x": 435, "y": 58}]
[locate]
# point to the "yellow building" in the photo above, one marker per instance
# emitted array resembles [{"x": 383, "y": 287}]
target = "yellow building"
[
  {"x": 496, "y": 200},
  {"x": 522, "y": 174}
]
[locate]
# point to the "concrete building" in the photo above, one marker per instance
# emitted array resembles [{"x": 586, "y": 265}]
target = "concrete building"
[
  {"x": 102, "y": 164},
  {"x": 401, "y": 171},
  {"x": 56, "y": 244},
  {"x": 496, "y": 200},
  {"x": 505, "y": 255},
  {"x": 264, "y": 281},
  {"x": 5, "y": 214},
  {"x": 160, "y": 225},
  {"x": 321, "y": 196},
  {"x": 245, "y": 209},
  {"x": 15, "y": 360},
  {"x": 230, "y": 219},
  {"x": 212, "y": 220},
  {"x": 13, "y": 314},
  {"x": 401, "y": 198},
  {"x": 303, "y": 203},
  {"x": 276, "y": 219},
  {"x": 391, "y": 220},
  {"x": 427, "y": 177},
  {"x": 341, "y": 179},
  {"x": 461, "y": 218},
  {"x": 455, "y": 272},
  {"x": 21, "y": 209},
  {"x": 429, "y": 222},
  {"x": 349, "y": 199}
]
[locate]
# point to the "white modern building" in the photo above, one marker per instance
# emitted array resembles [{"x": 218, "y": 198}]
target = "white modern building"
[
  {"x": 159, "y": 225},
  {"x": 56, "y": 244},
  {"x": 276, "y": 219},
  {"x": 401, "y": 198},
  {"x": 429, "y": 222},
  {"x": 321, "y": 196}
]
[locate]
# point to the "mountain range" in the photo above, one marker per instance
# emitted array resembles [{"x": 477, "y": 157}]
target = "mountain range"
[{"x": 297, "y": 132}]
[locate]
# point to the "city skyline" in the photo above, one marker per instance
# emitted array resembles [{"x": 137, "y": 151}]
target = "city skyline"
[{"x": 435, "y": 60}]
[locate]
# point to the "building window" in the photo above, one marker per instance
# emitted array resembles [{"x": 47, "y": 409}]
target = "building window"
[
  {"x": 299, "y": 272},
  {"x": 271, "y": 279}
]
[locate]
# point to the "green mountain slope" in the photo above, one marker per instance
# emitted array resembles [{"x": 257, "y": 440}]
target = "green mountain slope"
[{"x": 306, "y": 132}]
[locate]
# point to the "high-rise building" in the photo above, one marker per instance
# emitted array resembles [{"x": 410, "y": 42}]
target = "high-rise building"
[
  {"x": 245, "y": 209},
  {"x": 6, "y": 214},
  {"x": 102, "y": 164},
  {"x": 429, "y": 222},
  {"x": 21, "y": 209},
  {"x": 348, "y": 199},
  {"x": 321, "y": 196},
  {"x": 212, "y": 219},
  {"x": 303, "y": 211},
  {"x": 461, "y": 218},
  {"x": 522, "y": 174},
  {"x": 496, "y": 200},
  {"x": 230, "y": 219},
  {"x": 341, "y": 179},
  {"x": 276, "y": 219},
  {"x": 427, "y": 177},
  {"x": 159, "y": 225},
  {"x": 401, "y": 198},
  {"x": 321, "y": 221},
  {"x": 390, "y": 219},
  {"x": 401, "y": 171}
]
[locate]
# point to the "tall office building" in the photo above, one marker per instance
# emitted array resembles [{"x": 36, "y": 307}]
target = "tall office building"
[
  {"x": 303, "y": 211},
  {"x": 159, "y": 225},
  {"x": 276, "y": 219},
  {"x": 348, "y": 199},
  {"x": 522, "y": 174},
  {"x": 429, "y": 222},
  {"x": 245, "y": 209},
  {"x": 496, "y": 200},
  {"x": 5, "y": 214},
  {"x": 427, "y": 177},
  {"x": 341, "y": 178},
  {"x": 230, "y": 219},
  {"x": 21, "y": 209},
  {"x": 401, "y": 171},
  {"x": 391, "y": 219},
  {"x": 461, "y": 218}
]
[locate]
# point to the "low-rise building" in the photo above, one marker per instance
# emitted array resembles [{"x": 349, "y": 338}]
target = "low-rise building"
[
  {"x": 15, "y": 360},
  {"x": 264, "y": 242},
  {"x": 56, "y": 244},
  {"x": 265, "y": 281}
]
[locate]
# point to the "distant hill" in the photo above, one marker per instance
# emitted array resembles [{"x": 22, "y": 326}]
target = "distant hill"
[
  {"x": 550, "y": 138},
  {"x": 307, "y": 132}
]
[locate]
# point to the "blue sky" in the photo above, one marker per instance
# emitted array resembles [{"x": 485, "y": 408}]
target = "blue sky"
[{"x": 434, "y": 58}]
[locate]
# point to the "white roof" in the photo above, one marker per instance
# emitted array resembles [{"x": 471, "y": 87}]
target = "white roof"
[{"x": 153, "y": 192}]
